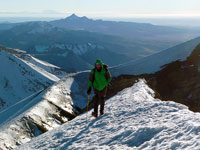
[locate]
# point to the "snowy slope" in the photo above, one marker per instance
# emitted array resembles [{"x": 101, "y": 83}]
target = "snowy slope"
[
  {"x": 134, "y": 119},
  {"x": 22, "y": 75},
  {"x": 154, "y": 62},
  {"x": 44, "y": 111},
  {"x": 44, "y": 67}
]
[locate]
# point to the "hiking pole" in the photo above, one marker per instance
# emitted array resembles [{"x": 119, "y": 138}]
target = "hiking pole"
[{"x": 88, "y": 106}]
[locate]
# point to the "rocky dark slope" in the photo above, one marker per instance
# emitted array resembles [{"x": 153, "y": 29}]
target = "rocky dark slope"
[{"x": 178, "y": 81}]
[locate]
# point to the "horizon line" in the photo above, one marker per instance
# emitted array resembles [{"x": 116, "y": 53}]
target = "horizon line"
[{"x": 53, "y": 14}]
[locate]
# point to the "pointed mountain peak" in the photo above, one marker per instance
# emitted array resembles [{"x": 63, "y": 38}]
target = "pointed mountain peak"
[{"x": 75, "y": 17}]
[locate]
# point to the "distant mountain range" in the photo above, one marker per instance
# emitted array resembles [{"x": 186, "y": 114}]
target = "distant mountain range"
[
  {"x": 69, "y": 47},
  {"x": 132, "y": 30},
  {"x": 78, "y": 41},
  {"x": 75, "y": 50}
]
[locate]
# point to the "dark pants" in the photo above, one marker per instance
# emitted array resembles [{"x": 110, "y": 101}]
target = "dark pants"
[{"x": 99, "y": 98}]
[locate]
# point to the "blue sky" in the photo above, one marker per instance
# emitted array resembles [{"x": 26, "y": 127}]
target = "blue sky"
[{"x": 101, "y": 8}]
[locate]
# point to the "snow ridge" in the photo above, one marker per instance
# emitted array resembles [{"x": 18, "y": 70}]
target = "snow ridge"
[
  {"x": 134, "y": 119},
  {"x": 43, "y": 111},
  {"x": 22, "y": 75}
]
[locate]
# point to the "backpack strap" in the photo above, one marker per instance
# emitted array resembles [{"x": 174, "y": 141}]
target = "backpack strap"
[
  {"x": 93, "y": 76},
  {"x": 107, "y": 74},
  {"x": 105, "y": 67}
]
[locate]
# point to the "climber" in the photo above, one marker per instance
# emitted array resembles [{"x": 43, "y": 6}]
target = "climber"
[{"x": 99, "y": 79}]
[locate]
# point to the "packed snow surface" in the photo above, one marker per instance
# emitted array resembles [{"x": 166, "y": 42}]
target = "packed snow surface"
[{"x": 133, "y": 119}]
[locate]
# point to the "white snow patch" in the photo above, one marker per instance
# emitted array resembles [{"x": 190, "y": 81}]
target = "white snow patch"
[
  {"x": 40, "y": 62},
  {"x": 45, "y": 68},
  {"x": 133, "y": 119},
  {"x": 43, "y": 72}
]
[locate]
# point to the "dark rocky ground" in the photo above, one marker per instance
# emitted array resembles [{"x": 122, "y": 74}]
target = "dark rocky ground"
[{"x": 178, "y": 81}]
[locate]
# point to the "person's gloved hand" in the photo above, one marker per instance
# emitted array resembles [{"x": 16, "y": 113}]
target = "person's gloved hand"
[{"x": 89, "y": 90}]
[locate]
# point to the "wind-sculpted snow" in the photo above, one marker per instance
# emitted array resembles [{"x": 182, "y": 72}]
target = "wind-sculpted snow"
[{"x": 133, "y": 119}]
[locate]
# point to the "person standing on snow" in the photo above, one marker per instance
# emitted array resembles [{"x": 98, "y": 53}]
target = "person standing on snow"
[{"x": 99, "y": 79}]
